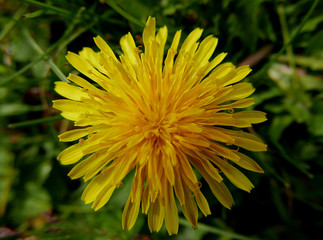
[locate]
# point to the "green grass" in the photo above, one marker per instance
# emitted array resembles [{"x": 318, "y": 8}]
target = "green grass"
[{"x": 281, "y": 40}]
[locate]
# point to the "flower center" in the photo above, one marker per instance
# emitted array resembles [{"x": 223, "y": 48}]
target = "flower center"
[{"x": 155, "y": 129}]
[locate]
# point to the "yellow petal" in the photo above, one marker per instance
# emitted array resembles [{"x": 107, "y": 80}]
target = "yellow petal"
[
  {"x": 186, "y": 168},
  {"x": 69, "y": 91},
  {"x": 202, "y": 203},
  {"x": 98, "y": 163},
  {"x": 222, "y": 193},
  {"x": 161, "y": 38},
  {"x": 250, "y": 144},
  {"x": 170, "y": 210},
  {"x": 104, "y": 47},
  {"x": 191, "y": 39},
  {"x": 81, "y": 82},
  {"x": 178, "y": 187},
  {"x": 216, "y": 61},
  {"x": 193, "y": 141},
  {"x": 214, "y": 173},
  {"x": 73, "y": 135},
  {"x": 225, "y": 119},
  {"x": 217, "y": 135},
  {"x": 137, "y": 184},
  {"x": 224, "y": 152},
  {"x": 219, "y": 190},
  {"x": 95, "y": 187},
  {"x": 243, "y": 103},
  {"x": 93, "y": 58},
  {"x": 129, "y": 67},
  {"x": 205, "y": 50},
  {"x": 168, "y": 168},
  {"x": 189, "y": 209},
  {"x": 73, "y": 116},
  {"x": 200, "y": 161},
  {"x": 83, "y": 167},
  {"x": 221, "y": 71},
  {"x": 145, "y": 202},
  {"x": 176, "y": 39},
  {"x": 240, "y": 90},
  {"x": 87, "y": 119},
  {"x": 85, "y": 67},
  {"x": 125, "y": 165},
  {"x": 152, "y": 176},
  {"x": 237, "y": 75},
  {"x": 155, "y": 216},
  {"x": 252, "y": 116},
  {"x": 249, "y": 164},
  {"x": 246, "y": 140},
  {"x": 169, "y": 61},
  {"x": 72, "y": 106},
  {"x": 129, "y": 49},
  {"x": 130, "y": 213},
  {"x": 149, "y": 31},
  {"x": 103, "y": 197},
  {"x": 235, "y": 176},
  {"x": 71, "y": 154}
]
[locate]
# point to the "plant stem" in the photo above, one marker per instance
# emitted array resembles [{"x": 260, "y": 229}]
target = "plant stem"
[
  {"x": 50, "y": 62},
  {"x": 212, "y": 229}
]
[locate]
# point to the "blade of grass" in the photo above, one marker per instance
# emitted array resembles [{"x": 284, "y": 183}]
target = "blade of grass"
[
  {"x": 290, "y": 160},
  {"x": 277, "y": 199},
  {"x": 35, "y": 122},
  {"x": 57, "y": 10},
  {"x": 34, "y": 14},
  {"x": 50, "y": 62},
  {"x": 269, "y": 169},
  {"x": 313, "y": 205},
  {"x": 10, "y": 25},
  {"x": 123, "y": 13},
  {"x": 21, "y": 71},
  {"x": 258, "y": 75},
  {"x": 286, "y": 35},
  {"x": 212, "y": 229},
  {"x": 66, "y": 38}
]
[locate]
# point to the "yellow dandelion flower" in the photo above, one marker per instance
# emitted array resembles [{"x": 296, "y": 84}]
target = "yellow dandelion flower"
[{"x": 159, "y": 118}]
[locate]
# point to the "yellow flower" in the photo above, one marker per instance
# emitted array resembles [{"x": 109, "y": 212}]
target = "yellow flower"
[{"x": 159, "y": 118}]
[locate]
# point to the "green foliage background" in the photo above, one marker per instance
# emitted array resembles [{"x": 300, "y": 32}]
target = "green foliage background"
[{"x": 281, "y": 40}]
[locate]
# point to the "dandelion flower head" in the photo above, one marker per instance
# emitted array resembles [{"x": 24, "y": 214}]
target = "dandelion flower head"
[{"x": 160, "y": 118}]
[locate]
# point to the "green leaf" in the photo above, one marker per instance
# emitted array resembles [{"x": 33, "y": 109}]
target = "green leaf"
[
  {"x": 312, "y": 23},
  {"x": 30, "y": 203},
  {"x": 314, "y": 63},
  {"x": 11, "y": 109},
  {"x": 312, "y": 82},
  {"x": 7, "y": 175},
  {"x": 34, "y": 14},
  {"x": 20, "y": 49},
  {"x": 281, "y": 75},
  {"x": 266, "y": 95},
  {"x": 315, "y": 125},
  {"x": 278, "y": 125},
  {"x": 298, "y": 110}
]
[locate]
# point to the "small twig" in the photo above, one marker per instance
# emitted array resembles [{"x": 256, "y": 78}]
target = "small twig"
[{"x": 257, "y": 56}]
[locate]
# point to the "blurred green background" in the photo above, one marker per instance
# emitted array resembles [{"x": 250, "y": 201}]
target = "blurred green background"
[{"x": 281, "y": 40}]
